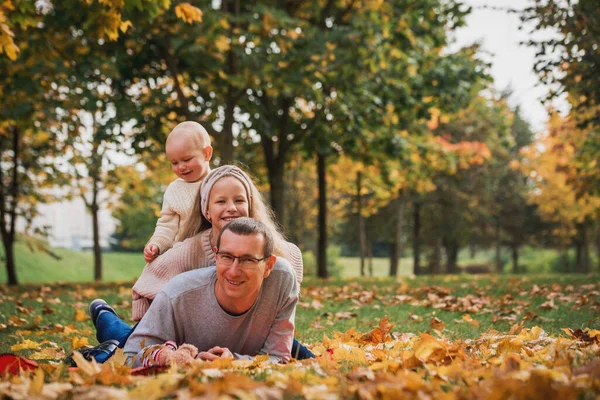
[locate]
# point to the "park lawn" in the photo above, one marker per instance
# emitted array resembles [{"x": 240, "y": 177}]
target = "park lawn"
[
  {"x": 336, "y": 305},
  {"x": 473, "y": 336},
  {"x": 74, "y": 266},
  {"x": 78, "y": 266}
]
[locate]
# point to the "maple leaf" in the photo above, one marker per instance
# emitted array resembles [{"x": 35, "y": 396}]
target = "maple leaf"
[
  {"x": 470, "y": 320},
  {"x": 37, "y": 384},
  {"x": 429, "y": 348},
  {"x": 548, "y": 305},
  {"x": 437, "y": 323},
  {"x": 80, "y": 315},
  {"x": 188, "y": 13},
  {"x": 345, "y": 315},
  {"x": 361, "y": 374},
  {"x": 89, "y": 293},
  {"x": 379, "y": 334},
  {"x": 78, "y": 342},
  {"x": 27, "y": 344},
  {"x": 48, "y": 354}
]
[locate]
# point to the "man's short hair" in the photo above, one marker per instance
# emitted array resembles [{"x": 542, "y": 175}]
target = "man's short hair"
[{"x": 249, "y": 226}]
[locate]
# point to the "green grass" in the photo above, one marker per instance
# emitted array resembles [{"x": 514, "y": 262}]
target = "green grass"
[
  {"x": 75, "y": 266},
  {"x": 531, "y": 260},
  {"x": 500, "y": 313},
  {"x": 44, "y": 310},
  {"x": 381, "y": 266}
]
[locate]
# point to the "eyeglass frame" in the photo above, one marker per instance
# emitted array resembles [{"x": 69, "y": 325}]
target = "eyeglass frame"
[{"x": 239, "y": 258}]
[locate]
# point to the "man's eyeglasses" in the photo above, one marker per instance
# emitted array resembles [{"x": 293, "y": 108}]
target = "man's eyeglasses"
[{"x": 245, "y": 262}]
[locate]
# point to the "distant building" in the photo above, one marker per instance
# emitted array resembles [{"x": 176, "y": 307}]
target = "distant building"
[{"x": 69, "y": 225}]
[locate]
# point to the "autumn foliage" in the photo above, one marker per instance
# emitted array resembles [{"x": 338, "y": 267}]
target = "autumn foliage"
[{"x": 382, "y": 358}]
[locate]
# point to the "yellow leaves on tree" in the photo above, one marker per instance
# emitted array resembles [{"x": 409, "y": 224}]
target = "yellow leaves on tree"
[
  {"x": 268, "y": 23},
  {"x": 188, "y": 13},
  {"x": 550, "y": 162},
  {"x": 112, "y": 23},
  {"x": 468, "y": 152},
  {"x": 222, "y": 44},
  {"x": 342, "y": 178},
  {"x": 391, "y": 117},
  {"x": 433, "y": 122},
  {"x": 7, "y": 44}
]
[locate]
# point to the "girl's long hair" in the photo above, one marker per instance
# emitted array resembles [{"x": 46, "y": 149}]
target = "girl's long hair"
[{"x": 259, "y": 210}]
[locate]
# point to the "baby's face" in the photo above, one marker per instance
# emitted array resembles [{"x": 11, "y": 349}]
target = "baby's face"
[{"x": 187, "y": 158}]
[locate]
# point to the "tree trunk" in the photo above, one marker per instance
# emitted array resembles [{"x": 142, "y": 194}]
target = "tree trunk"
[
  {"x": 416, "y": 238},
  {"x": 565, "y": 259},
  {"x": 582, "y": 255},
  {"x": 294, "y": 217},
  {"x": 586, "y": 248},
  {"x": 436, "y": 257},
  {"x": 231, "y": 7},
  {"x": 578, "y": 257},
  {"x": 498, "y": 249},
  {"x": 370, "y": 256},
  {"x": 95, "y": 172},
  {"x": 226, "y": 142},
  {"x": 397, "y": 244},
  {"x": 597, "y": 243},
  {"x": 7, "y": 229},
  {"x": 362, "y": 234},
  {"x": 322, "y": 220},
  {"x": 9, "y": 253},
  {"x": 275, "y": 173},
  {"x": 515, "y": 258},
  {"x": 451, "y": 257},
  {"x": 96, "y": 233},
  {"x": 226, "y": 136},
  {"x": 275, "y": 159}
]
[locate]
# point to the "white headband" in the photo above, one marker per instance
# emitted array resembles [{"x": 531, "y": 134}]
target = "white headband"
[{"x": 218, "y": 173}]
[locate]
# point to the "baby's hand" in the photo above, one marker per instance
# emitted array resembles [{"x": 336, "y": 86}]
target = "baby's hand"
[{"x": 150, "y": 252}]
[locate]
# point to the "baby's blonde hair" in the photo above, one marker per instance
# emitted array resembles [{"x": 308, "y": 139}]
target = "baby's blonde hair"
[{"x": 193, "y": 131}]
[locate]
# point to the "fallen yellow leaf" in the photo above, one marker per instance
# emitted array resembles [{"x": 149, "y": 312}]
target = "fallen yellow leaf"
[
  {"x": 48, "y": 354},
  {"x": 27, "y": 344},
  {"x": 77, "y": 342},
  {"x": 80, "y": 315}
]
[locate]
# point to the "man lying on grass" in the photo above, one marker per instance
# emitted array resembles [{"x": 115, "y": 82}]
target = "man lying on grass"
[{"x": 243, "y": 307}]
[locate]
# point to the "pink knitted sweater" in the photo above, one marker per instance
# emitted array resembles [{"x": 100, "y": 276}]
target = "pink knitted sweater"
[{"x": 195, "y": 252}]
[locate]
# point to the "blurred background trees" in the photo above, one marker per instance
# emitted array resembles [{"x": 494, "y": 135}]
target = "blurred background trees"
[{"x": 366, "y": 131}]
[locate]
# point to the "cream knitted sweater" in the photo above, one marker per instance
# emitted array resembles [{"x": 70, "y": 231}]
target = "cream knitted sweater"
[
  {"x": 192, "y": 253},
  {"x": 178, "y": 202}
]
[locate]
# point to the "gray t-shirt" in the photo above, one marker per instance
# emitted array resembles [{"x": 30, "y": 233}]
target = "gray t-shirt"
[{"x": 187, "y": 311}]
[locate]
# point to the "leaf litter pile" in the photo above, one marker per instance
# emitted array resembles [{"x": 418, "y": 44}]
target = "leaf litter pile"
[{"x": 404, "y": 355}]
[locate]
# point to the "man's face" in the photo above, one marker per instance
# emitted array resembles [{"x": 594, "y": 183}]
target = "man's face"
[{"x": 239, "y": 283}]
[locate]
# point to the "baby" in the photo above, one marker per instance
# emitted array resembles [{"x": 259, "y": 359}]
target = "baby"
[{"x": 189, "y": 151}]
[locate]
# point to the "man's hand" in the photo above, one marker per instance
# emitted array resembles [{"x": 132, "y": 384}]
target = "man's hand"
[
  {"x": 150, "y": 252},
  {"x": 215, "y": 353}
]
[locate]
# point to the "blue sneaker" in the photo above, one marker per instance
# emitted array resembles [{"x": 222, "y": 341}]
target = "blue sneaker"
[
  {"x": 100, "y": 353},
  {"x": 97, "y": 307}
]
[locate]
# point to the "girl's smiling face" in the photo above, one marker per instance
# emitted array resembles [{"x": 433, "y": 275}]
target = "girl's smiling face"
[{"x": 227, "y": 200}]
